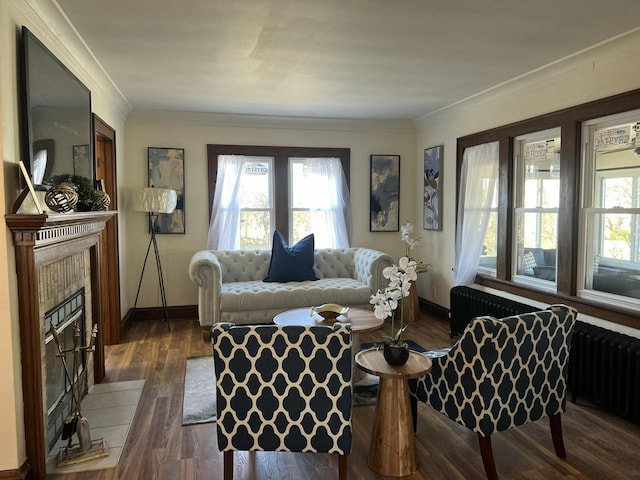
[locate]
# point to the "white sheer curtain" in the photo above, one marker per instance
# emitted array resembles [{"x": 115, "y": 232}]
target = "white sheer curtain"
[
  {"x": 331, "y": 212},
  {"x": 478, "y": 180},
  {"x": 224, "y": 231}
]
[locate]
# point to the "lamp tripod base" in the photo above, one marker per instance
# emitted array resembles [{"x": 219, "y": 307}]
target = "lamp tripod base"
[{"x": 154, "y": 243}]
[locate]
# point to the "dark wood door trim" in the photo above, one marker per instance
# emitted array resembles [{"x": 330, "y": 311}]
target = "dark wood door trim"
[{"x": 105, "y": 166}]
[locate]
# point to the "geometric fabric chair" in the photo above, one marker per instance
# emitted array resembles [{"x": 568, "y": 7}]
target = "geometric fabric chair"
[
  {"x": 283, "y": 388},
  {"x": 502, "y": 374}
]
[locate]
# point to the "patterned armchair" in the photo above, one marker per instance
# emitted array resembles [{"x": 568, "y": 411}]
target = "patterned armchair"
[
  {"x": 502, "y": 374},
  {"x": 283, "y": 388}
]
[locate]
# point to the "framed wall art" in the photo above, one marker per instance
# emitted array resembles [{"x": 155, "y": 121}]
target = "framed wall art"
[
  {"x": 432, "y": 206},
  {"x": 384, "y": 204},
  {"x": 166, "y": 170}
]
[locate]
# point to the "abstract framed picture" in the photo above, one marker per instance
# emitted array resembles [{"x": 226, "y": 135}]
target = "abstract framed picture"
[
  {"x": 432, "y": 206},
  {"x": 166, "y": 170},
  {"x": 384, "y": 203}
]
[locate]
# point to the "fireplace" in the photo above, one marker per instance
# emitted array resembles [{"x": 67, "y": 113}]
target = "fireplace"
[{"x": 58, "y": 262}]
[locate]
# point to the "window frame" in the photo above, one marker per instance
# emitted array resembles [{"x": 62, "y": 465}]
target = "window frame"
[
  {"x": 280, "y": 155},
  {"x": 519, "y": 206},
  {"x": 569, "y": 262}
]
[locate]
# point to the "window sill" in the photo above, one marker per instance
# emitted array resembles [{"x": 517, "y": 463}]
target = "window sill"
[
  {"x": 611, "y": 309},
  {"x": 537, "y": 283}
]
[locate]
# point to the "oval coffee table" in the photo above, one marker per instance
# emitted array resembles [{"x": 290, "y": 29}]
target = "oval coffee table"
[{"x": 361, "y": 320}]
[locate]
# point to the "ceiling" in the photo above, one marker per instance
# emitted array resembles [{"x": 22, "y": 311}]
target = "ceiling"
[{"x": 362, "y": 59}]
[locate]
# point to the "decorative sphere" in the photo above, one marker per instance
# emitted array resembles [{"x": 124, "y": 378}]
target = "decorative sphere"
[
  {"x": 61, "y": 198},
  {"x": 103, "y": 203}
]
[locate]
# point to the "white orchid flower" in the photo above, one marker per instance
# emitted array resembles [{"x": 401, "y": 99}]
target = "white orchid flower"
[
  {"x": 412, "y": 242},
  {"x": 377, "y": 298},
  {"x": 382, "y": 310},
  {"x": 406, "y": 229},
  {"x": 394, "y": 294},
  {"x": 405, "y": 263},
  {"x": 389, "y": 272}
]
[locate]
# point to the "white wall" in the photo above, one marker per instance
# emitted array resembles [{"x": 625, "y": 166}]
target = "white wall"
[
  {"x": 603, "y": 71},
  {"x": 108, "y": 104},
  {"x": 194, "y": 131}
]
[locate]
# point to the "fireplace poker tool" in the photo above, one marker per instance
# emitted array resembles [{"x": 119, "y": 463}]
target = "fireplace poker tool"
[
  {"x": 70, "y": 422},
  {"x": 86, "y": 449}
]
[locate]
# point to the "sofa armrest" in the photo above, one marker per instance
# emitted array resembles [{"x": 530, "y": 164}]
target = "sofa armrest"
[
  {"x": 368, "y": 265},
  {"x": 205, "y": 271}
]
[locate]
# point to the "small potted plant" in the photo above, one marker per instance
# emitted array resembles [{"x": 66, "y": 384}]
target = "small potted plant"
[{"x": 386, "y": 303}]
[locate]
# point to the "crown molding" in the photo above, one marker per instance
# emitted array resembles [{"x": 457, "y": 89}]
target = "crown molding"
[
  {"x": 55, "y": 30},
  {"x": 274, "y": 122}
]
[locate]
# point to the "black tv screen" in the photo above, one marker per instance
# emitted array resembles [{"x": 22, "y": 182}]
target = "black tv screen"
[{"x": 56, "y": 112}]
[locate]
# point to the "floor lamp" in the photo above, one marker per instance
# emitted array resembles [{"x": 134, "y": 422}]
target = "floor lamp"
[{"x": 153, "y": 201}]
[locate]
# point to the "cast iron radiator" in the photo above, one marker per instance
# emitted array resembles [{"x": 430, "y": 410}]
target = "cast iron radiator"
[
  {"x": 468, "y": 303},
  {"x": 604, "y": 368}
]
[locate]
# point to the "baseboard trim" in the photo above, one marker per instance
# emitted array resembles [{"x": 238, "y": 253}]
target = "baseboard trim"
[
  {"x": 433, "y": 308},
  {"x": 179, "y": 312},
  {"x": 22, "y": 473}
]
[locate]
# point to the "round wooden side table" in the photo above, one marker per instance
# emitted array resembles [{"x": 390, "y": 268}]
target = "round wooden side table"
[{"x": 392, "y": 449}]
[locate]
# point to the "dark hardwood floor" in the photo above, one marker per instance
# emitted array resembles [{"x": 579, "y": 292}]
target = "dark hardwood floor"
[{"x": 599, "y": 445}]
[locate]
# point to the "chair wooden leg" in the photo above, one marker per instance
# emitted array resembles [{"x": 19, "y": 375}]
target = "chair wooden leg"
[
  {"x": 228, "y": 465},
  {"x": 342, "y": 467},
  {"x": 487, "y": 457},
  {"x": 555, "y": 423}
]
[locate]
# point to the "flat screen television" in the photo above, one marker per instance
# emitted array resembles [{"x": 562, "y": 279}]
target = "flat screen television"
[{"x": 56, "y": 109}]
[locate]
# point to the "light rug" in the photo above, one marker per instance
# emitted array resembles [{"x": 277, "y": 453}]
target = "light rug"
[
  {"x": 199, "y": 401},
  {"x": 365, "y": 392}
]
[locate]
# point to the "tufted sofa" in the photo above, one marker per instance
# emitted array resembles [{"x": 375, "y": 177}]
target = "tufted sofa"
[{"x": 231, "y": 286}]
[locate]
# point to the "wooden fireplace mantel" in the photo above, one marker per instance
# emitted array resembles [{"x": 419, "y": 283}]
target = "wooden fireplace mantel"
[{"x": 38, "y": 240}]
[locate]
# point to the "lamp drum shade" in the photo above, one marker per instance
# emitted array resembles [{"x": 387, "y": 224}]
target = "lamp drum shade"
[{"x": 154, "y": 200}]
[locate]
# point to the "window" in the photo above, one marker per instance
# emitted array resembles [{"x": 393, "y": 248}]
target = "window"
[
  {"x": 480, "y": 178},
  {"x": 612, "y": 214},
  {"x": 568, "y": 208},
  {"x": 537, "y": 186},
  {"x": 256, "y": 190},
  {"x": 256, "y": 203}
]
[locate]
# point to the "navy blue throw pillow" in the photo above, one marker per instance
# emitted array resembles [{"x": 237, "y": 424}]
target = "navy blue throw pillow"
[{"x": 291, "y": 264}]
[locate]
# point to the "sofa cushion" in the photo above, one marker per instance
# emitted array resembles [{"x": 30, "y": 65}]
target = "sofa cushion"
[
  {"x": 529, "y": 261},
  {"x": 257, "y": 295},
  {"x": 550, "y": 257},
  {"x": 291, "y": 264},
  {"x": 538, "y": 255},
  {"x": 545, "y": 272}
]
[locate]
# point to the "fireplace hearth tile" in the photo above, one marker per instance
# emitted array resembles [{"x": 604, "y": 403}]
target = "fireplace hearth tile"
[
  {"x": 97, "y": 401},
  {"x": 112, "y": 424},
  {"x": 109, "y": 417},
  {"x": 118, "y": 386}
]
